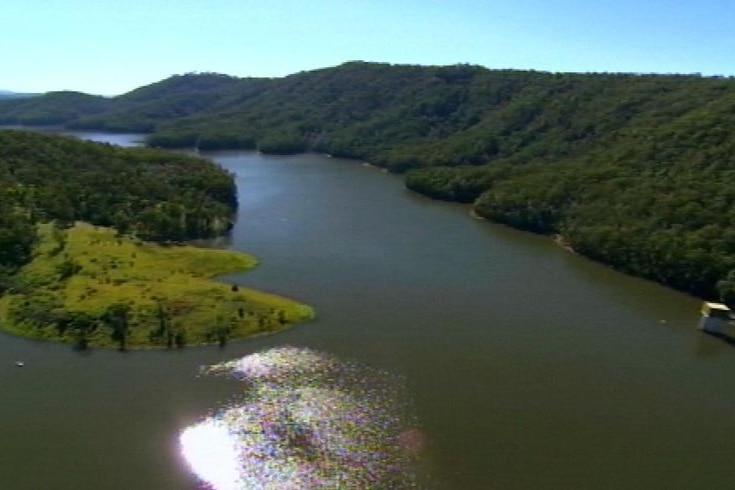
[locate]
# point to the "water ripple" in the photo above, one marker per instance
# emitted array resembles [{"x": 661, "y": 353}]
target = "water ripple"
[{"x": 306, "y": 420}]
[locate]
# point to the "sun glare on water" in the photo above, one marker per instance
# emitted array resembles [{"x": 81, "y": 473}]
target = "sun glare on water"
[
  {"x": 212, "y": 454},
  {"x": 305, "y": 421}
]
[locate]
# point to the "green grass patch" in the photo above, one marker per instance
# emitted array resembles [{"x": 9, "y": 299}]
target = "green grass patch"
[{"x": 89, "y": 286}]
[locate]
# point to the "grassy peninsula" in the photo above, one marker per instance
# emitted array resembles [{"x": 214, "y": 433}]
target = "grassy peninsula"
[
  {"x": 90, "y": 248},
  {"x": 90, "y": 286}
]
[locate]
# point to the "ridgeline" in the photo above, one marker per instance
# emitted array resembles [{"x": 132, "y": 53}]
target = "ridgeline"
[{"x": 632, "y": 170}]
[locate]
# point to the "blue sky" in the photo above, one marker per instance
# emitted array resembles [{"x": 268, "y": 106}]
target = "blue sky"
[{"x": 110, "y": 47}]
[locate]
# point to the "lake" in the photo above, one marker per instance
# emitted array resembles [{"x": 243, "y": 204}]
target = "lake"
[{"x": 527, "y": 366}]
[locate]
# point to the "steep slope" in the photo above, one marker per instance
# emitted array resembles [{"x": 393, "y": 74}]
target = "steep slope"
[
  {"x": 178, "y": 96},
  {"x": 633, "y": 170}
]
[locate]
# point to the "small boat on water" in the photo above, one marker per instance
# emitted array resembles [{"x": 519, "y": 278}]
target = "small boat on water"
[{"x": 19, "y": 363}]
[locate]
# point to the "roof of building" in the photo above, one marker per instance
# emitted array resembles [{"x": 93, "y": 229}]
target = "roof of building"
[{"x": 717, "y": 306}]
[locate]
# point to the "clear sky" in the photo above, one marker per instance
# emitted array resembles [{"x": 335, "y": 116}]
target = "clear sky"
[{"x": 112, "y": 46}]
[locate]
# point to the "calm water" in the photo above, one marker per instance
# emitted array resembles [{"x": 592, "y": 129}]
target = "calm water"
[{"x": 528, "y": 367}]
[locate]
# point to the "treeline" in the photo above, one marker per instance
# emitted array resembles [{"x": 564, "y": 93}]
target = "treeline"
[
  {"x": 156, "y": 195},
  {"x": 674, "y": 225},
  {"x": 645, "y": 187},
  {"x": 633, "y": 170}
]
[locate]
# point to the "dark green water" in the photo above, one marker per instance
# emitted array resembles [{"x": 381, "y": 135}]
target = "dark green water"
[{"x": 530, "y": 368}]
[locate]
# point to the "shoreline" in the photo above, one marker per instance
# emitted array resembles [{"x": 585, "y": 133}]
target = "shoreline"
[
  {"x": 557, "y": 238},
  {"x": 561, "y": 241},
  {"x": 120, "y": 293}
]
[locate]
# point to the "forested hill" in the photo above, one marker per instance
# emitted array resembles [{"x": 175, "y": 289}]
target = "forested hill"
[
  {"x": 51, "y": 108},
  {"x": 158, "y": 195},
  {"x": 7, "y": 94},
  {"x": 633, "y": 170},
  {"x": 143, "y": 109},
  {"x": 399, "y": 116}
]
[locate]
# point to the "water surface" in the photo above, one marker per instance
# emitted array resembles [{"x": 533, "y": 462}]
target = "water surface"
[{"x": 528, "y": 367}]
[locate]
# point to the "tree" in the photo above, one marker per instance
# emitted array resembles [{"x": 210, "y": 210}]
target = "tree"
[
  {"x": 117, "y": 318},
  {"x": 726, "y": 288}
]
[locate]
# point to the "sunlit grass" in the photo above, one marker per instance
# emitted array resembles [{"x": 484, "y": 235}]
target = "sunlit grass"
[{"x": 170, "y": 291}]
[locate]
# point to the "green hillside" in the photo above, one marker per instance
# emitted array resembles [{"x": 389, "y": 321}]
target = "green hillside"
[
  {"x": 632, "y": 170},
  {"x": 141, "y": 110},
  {"x": 53, "y": 108}
]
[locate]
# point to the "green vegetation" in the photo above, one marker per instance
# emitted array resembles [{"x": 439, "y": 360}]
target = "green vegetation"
[
  {"x": 91, "y": 287},
  {"x": 143, "y": 109},
  {"x": 633, "y": 170},
  {"x": 106, "y": 287},
  {"x": 159, "y": 196},
  {"x": 50, "y": 109}
]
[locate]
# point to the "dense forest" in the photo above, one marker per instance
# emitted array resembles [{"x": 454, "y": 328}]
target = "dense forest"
[
  {"x": 633, "y": 170},
  {"x": 155, "y": 195}
]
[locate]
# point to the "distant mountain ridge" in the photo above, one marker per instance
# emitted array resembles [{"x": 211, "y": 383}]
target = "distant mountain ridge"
[
  {"x": 51, "y": 108},
  {"x": 632, "y": 170},
  {"x": 7, "y": 94},
  {"x": 399, "y": 116}
]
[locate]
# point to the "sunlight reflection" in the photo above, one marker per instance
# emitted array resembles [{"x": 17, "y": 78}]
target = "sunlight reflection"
[
  {"x": 211, "y": 451},
  {"x": 305, "y": 421}
]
